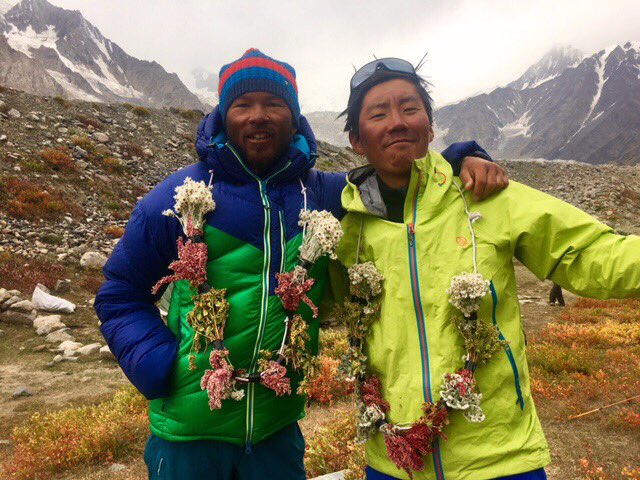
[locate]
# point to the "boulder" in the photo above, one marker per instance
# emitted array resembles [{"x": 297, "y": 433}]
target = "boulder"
[
  {"x": 105, "y": 353},
  {"x": 23, "y": 306},
  {"x": 62, "y": 286},
  {"x": 59, "y": 336},
  {"x": 18, "y": 318},
  {"x": 47, "y": 324},
  {"x": 21, "y": 392},
  {"x": 89, "y": 349},
  {"x": 100, "y": 137},
  {"x": 93, "y": 260}
]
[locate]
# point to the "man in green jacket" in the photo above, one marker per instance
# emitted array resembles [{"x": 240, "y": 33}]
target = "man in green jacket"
[{"x": 407, "y": 213}]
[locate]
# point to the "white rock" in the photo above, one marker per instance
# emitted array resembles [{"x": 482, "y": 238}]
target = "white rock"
[
  {"x": 69, "y": 346},
  {"x": 117, "y": 467},
  {"x": 89, "y": 349},
  {"x": 59, "y": 336},
  {"x": 61, "y": 358},
  {"x": 14, "y": 113},
  {"x": 147, "y": 152},
  {"x": 93, "y": 260},
  {"x": 46, "y": 325}
]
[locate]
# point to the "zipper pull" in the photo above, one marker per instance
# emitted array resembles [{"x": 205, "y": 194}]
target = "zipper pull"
[
  {"x": 412, "y": 234},
  {"x": 248, "y": 450}
]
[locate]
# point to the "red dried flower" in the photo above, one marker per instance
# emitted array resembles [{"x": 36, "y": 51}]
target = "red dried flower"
[
  {"x": 292, "y": 290},
  {"x": 404, "y": 453},
  {"x": 191, "y": 265},
  {"x": 275, "y": 378},
  {"x": 372, "y": 394}
]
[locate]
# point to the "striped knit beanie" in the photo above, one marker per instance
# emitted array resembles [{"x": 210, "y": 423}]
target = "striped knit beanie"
[{"x": 256, "y": 72}]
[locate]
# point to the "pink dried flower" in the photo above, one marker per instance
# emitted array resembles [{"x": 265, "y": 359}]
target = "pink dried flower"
[
  {"x": 191, "y": 265},
  {"x": 292, "y": 289},
  {"x": 275, "y": 378},
  {"x": 219, "y": 382}
]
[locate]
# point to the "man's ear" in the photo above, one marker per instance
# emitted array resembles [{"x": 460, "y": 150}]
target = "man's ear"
[
  {"x": 356, "y": 144},
  {"x": 430, "y": 134}
]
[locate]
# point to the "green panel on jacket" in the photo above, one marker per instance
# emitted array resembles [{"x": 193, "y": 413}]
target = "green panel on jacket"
[{"x": 185, "y": 415}]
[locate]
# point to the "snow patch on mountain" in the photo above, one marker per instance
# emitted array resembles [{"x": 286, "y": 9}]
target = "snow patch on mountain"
[{"x": 25, "y": 41}]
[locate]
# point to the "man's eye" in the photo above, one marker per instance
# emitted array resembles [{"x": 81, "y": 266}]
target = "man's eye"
[
  {"x": 241, "y": 105},
  {"x": 377, "y": 115},
  {"x": 411, "y": 109}
]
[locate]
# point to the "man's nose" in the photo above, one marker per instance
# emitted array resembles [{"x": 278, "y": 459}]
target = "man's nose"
[
  {"x": 397, "y": 120},
  {"x": 258, "y": 114}
]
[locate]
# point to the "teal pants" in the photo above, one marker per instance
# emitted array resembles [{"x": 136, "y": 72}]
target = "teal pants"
[{"x": 280, "y": 456}]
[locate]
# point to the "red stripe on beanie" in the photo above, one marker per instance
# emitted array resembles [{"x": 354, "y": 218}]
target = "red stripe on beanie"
[{"x": 256, "y": 62}]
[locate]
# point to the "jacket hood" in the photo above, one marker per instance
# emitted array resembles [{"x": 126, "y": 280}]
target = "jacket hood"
[{"x": 214, "y": 148}]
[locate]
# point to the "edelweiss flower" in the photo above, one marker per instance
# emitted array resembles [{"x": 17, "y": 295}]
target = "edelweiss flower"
[
  {"x": 366, "y": 280},
  {"x": 322, "y": 234},
  {"x": 466, "y": 292},
  {"x": 193, "y": 202}
]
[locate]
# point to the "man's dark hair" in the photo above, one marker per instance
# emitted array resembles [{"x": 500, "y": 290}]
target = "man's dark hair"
[{"x": 354, "y": 105}]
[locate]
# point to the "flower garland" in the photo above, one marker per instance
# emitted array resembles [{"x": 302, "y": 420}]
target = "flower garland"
[
  {"x": 321, "y": 234},
  {"x": 407, "y": 444}
]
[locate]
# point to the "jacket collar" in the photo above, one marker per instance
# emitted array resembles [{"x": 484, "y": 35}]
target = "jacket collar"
[
  {"x": 362, "y": 193},
  {"x": 214, "y": 149}
]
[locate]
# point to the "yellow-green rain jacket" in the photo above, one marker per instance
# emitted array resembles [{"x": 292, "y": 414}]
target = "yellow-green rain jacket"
[{"x": 414, "y": 343}]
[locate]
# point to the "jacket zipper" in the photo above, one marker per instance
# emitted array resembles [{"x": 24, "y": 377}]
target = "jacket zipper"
[
  {"x": 266, "y": 268},
  {"x": 507, "y": 348},
  {"x": 283, "y": 243},
  {"x": 420, "y": 321}
]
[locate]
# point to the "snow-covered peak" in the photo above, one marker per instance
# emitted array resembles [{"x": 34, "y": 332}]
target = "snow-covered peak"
[{"x": 552, "y": 64}]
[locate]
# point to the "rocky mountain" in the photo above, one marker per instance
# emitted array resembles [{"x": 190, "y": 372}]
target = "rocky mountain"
[
  {"x": 328, "y": 127},
  {"x": 48, "y": 50},
  {"x": 554, "y": 62},
  {"x": 205, "y": 86},
  {"x": 587, "y": 111},
  {"x": 565, "y": 106}
]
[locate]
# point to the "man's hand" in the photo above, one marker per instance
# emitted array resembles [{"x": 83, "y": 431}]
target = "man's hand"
[{"x": 482, "y": 177}]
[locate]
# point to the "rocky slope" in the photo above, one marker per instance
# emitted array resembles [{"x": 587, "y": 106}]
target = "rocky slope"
[{"x": 114, "y": 153}]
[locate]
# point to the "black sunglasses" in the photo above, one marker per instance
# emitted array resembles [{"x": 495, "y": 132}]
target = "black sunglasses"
[{"x": 389, "y": 64}]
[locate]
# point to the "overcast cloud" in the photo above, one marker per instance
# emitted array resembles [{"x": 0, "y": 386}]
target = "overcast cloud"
[{"x": 472, "y": 46}]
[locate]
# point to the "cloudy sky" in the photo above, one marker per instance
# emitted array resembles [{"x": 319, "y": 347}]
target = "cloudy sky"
[{"x": 472, "y": 46}]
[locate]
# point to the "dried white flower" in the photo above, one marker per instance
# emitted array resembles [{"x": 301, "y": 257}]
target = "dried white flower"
[
  {"x": 366, "y": 280},
  {"x": 466, "y": 292},
  {"x": 458, "y": 392},
  {"x": 237, "y": 395},
  {"x": 323, "y": 233},
  {"x": 193, "y": 201}
]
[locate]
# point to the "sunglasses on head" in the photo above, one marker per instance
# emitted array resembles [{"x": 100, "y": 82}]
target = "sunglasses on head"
[{"x": 389, "y": 64}]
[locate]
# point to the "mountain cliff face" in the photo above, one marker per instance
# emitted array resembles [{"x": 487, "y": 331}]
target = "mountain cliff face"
[
  {"x": 562, "y": 107},
  {"x": 53, "y": 51}
]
